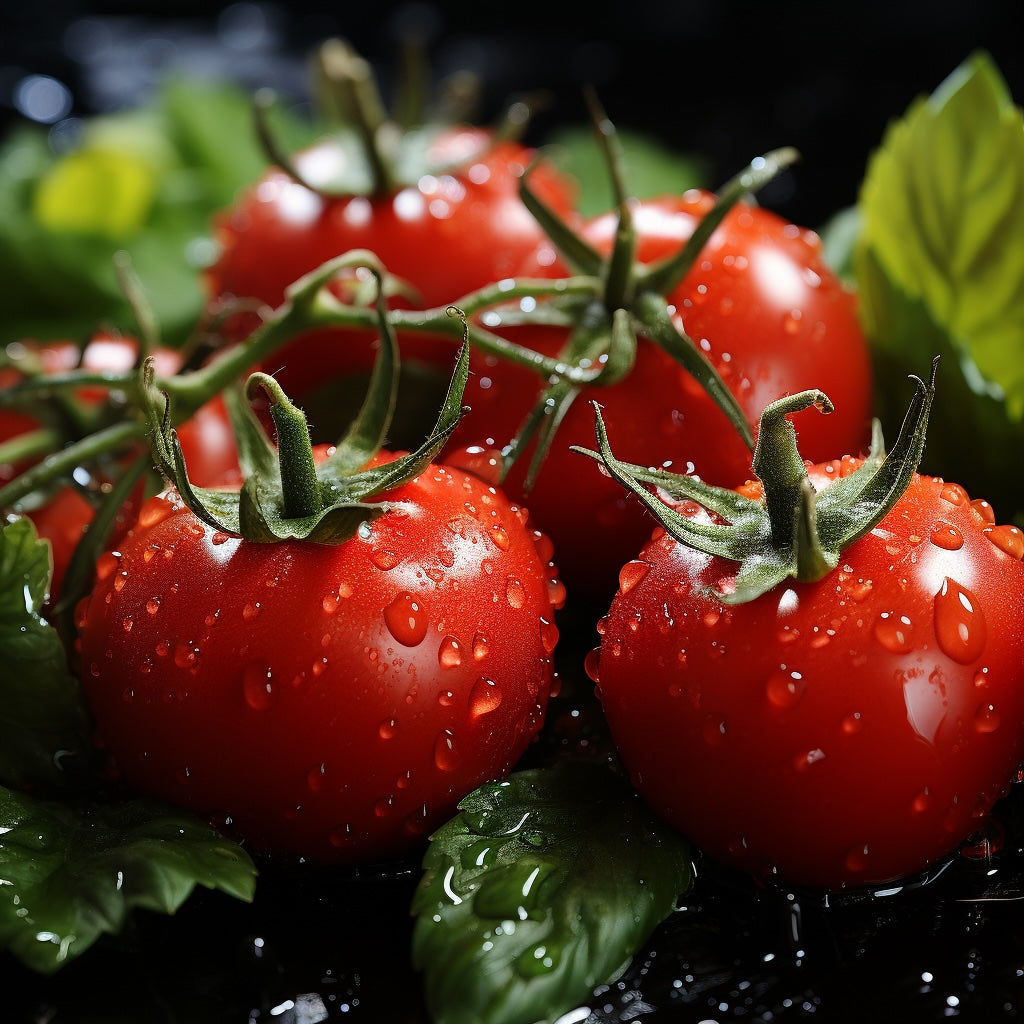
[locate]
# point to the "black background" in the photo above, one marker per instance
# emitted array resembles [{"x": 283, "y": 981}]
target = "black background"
[{"x": 728, "y": 79}]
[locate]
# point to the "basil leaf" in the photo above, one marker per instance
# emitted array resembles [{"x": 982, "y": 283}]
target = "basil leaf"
[
  {"x": 44, "y": 728},
  {"x": 70, "y": 873},
  {"x": 542, "y": 887}
]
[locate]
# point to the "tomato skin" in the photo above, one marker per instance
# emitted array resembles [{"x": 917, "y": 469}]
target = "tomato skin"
[
  {"x": 330, "y": 702},
  {"x": 839, "y": 733},
  {"x": 769, "y": 314},
  {"x": 207, "y": 441}
]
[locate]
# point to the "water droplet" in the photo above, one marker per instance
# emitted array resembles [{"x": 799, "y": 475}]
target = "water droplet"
[
  {"x": 954, "y": 494},
  {"x": 784, "y": 689},
  {"x": 387, "y": 729},
  {"x": 591, "y": 662},
  {"x": 631, "y": 574},
  {"x": 860, "y": 590},
  {"x": 556, "y": 592},
  {"x": 250, "y": 611},
  {"x": 714, "y": 730},
  {"x": 220, "y": 537},
  {"x": 383, "y": 807},
  {"x": 317, "y": 778},
  {"x": 155, "y": 510},
  {"x": 959, "y": 622},
  {"x": 186, "y": 655},
  {"x": 446, "y": 756},
  {"x": 342, "y": 836},
  {"x": 449, "y": 653},
  {"x": 807, "y": 760},
  {"x": 791, "y": 321},
  {"x": 984, "y": 511},
  {"x": 384, "y": 559},
  {"x": 986, "y": 719},
  {"x": 120, "y": 580},
  {"x": 416, "y": 822},
  {"x": 1007, "y": 538},
  {"x": 548, "y": 635},
  {"x": 407, "y": 619},
  {"x": 856, "y": 861},
  {"x": 127, "y": 624},
  {"x": 106, "y": 565},
  {"x": 258, "y": 686},
  {"x": 446, "y": 698},
  {"x": 947, "y": 537},
  {"x": 920, "y": 802},
  {"x": 499, "y": 535},
  {"x": 853, "y": 723},
  {"x": 446, "y": 557},
  {"x": 484, "y": 698},
  {"x": 515, "y": 593},
  {"x": 893, "y": 632},
  {"x": 481, "y": 647}
]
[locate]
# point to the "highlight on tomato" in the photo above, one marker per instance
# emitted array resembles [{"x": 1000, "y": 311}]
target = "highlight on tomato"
[{"x": 818, "y": 678}]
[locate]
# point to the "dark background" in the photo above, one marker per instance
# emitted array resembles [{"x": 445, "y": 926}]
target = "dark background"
[{"x": 727, "y": 79}]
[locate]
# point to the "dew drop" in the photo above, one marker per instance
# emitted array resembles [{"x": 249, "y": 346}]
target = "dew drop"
[
  {"x": 515, "y": 593},
  {"x": 446, "y": 557},
  {"x": 407, "y": 619},
  {"x": 591, "y": 662},
  {"x": 499, "y": 535},
  {"x": 481, "y": 647},
  {"x": 220, "y": 537},
  {"x": 387, "y": 729},
  {"x": 119, "y": 581},
  {"x": 484, "y": 698},
  {"x": 106, "y": 565},
  {"x": 959, "y": 622},
  {"x": 784, "y": 689},
  {"x": 713, "y": 730},
  {"x": 808, "y": 759},
  {"x": 548, "y": 635},
  {"x": 791, "y": 321},
  {"x": 893, "y": 632},
  {"x": 856, "y": 861},
  {"x": 984, "y": 511},
  {"x": 449, "y": 653},
  {"x": 852, "y": 723},
  {"x": 446, "y": 756},
  {"x": 316, "y": 779},
  {"x": 250, "y": 611},
  {"x": 947, "y": 537},
  {"x": 920, "y": 802},
  {"x": 383, "y": 807},
  {"x": 986, "y": 719},
  {"x": 127, "y": 624},
  {"x": 384, "y": 559},
  {"x": 155, "y": 510},
  {"x": 860, "y": 590},
  {"x": 556, "y": 592},
  {"x": 446, "y": 698},
  {"x": 954, "y": 494},
  {"x": 631, "y": 574},
  {"x": 1007, "y": 538},
  {"x": 341, "y": 837},
  {"x": 258, "y": 686},
  {"x": 186, "y": 655}
]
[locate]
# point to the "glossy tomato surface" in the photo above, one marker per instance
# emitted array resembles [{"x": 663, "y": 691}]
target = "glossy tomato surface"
[
  {"x": 771, "y": 317},
  {"x": 849, "y": 731},
  {"x": 330, "y": 702}
]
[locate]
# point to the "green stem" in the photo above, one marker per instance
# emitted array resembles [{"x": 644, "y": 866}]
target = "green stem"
[
  {"x": 67, "y": 459},
  {"x": 299, "y": 485},
  {"x": 28, "y": 446}
]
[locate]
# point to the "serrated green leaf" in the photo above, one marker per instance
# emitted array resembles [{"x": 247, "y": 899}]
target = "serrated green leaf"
[
  {"x": 71, "y": 873},
  {"x": 542, "y": 887},
  {"x": 44, "y": 727},
  {"x": 942, "y": 218}
]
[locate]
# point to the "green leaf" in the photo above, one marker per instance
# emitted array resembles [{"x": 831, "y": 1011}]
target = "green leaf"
[
  {"x": 70, "y": 873},
  {"x": 651, "y": 169},
  {"x": 44, "y": 728},
  {"x": 543, "y": 886},
  {"x": 942, "y": 219}
]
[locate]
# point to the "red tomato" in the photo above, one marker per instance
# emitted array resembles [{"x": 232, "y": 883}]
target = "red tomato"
[
  {"x": 332, "y": 702},
  {"x": 206, "y": 439},
  {"x": 447, "y": 234},
  {"x": 837, "y": 733},
  {"x": 772, "y": 318}
]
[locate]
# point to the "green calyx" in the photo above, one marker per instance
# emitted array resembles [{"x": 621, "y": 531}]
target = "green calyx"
[
  {"x": 795, "y": 532},
  {"x": 287, "y": 494},
  {"x": 631, "y": 299}
]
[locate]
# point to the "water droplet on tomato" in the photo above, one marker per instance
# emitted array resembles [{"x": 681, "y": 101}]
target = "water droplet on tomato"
[
  {"x": 499, "y": 535},
  {"x": 446, "y": 557},
  {"x": 591, "y": 662},
  {"x": 186, "y": 655},
  {"x": 852, "y": 723},
  {"x": 341, "y": 837},
  {"x": 446, "y": 756},
  {"x": 387, "y": 729},
  {"x": 1007, "y": 538},
  {"x": 947, "y": 537},
  {"x": 920, "y": 802},
  {"x": 250, "y": 611},
  {"x": 892, "y": 631},
  {"x": 415, "y": 823},
  {"x": 985, "y": 512},
  {"x": 548, "y": 635},
  {"x": 714, "y": 730},
  {"x": 384, "y": 559},
  {"x": 791, "y": 321},
  {"x": 449, "y": 653},
  {"x": 120, "y": 580},
  {"x": 556, "y": 592},
  {"x": 316, "y": 779},
  {"x": 127, "y": 623},
  {"x": 986, "y": 719},
  {"x": 407, "y": 619},
  {"x": 481, "y": 647},
  {"x": 954, "y": 494},
  {"x": 860, "y": 590},
  {"x": 258, "y": 686},
  {"x": 959, "y": 622},
  {"x": 153, "y": 605},
  {"x": 784, "y": 688},
  {"x": 631, "y": 574},
  {"x": 484, "y": 698},
  {"x": 515, "y": 593},
  {"x": 220, "y": 537},
  {"x": 383, "y": 807},
  {"x": 106, "y": 565},
  {"x": 182, "y": 775},
  {"x": 808, "y": 759},
  {"x": 856, "y": 860}
]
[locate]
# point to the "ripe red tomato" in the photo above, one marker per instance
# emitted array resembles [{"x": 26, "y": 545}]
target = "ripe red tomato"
[
  {"x": 331, "y": 702},
  {"x": 206, "y": 438},
  {"x": 445, "y": 235},
  {"x": 849, "y": 731},
  {"x": 771, "y": 317}
]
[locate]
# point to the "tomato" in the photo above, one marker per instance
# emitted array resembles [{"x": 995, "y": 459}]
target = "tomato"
[
  {"x": 444, "y": 235},
  {"x": 772, "y": 318},
  {"x": 848, "y": 731},
  {"x": 328, "y": 701},
  {"x": 206, "y": 439}
]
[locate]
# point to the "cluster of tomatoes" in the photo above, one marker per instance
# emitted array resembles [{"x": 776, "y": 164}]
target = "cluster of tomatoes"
[{"x": 335, "y": 701}]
